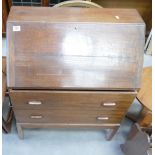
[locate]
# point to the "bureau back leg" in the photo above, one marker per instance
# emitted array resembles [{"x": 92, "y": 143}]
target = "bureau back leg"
[
  {"x": 112, "y": 133},
  {"x": 20, "y": 131}
]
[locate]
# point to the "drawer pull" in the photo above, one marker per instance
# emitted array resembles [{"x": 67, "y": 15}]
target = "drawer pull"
[
  {"x": 34, "y": 102},
  {"x": 36, "y": 116},
  {"x": 102, "y": 118},
  {"x": 109, "y": 104}
]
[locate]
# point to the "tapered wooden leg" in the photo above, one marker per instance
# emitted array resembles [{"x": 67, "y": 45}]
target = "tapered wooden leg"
[
  {"x": 112, "y": 133},
  {"x": 20, "y": 131}
]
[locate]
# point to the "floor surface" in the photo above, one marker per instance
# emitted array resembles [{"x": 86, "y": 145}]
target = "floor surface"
[{"x": 64, "y": 142}]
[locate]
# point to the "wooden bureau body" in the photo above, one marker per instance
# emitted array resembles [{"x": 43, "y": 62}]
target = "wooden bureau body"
[
  {"x": 71, "y": 107},
  {"x": 73, "y": 67}
]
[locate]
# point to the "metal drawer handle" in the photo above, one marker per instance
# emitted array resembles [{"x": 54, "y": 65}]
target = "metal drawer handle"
[
  {"x": 109, "y": 104},
  {"x": 36, "y": 116},
  {"x": 102, "y": 118},
  {"x": 34, "y": 102}
]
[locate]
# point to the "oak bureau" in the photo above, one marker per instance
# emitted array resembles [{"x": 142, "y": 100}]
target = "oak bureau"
[{"x": 73, "y": 67}]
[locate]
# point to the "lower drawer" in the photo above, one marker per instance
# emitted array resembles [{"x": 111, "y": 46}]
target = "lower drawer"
[{"x": 69, "y": 116}]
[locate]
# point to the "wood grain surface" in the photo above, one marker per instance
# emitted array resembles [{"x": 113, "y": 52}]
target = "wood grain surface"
[
  {"x": 67, "y": 116},
  {"x": 74, "y": 48},
  {"x": 70, "y": 125},
  {"x": 73, "y": 107},
  {"x": 94, "y": 100},
  {"x": 50, "y": 15},
  {"x": 145, "y": 93}
]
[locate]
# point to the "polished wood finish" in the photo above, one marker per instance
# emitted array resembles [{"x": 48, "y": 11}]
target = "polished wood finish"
[
  {"x": 70, "y": 106},
  {"x": 145, "y": 93},
  {"x": 113, "y": 127},
  {"x": 73, "y": 67},
  {"x": 65, "y": 15},
  {"x": 68, "y": 116},
  {"x": 67, "y": 125},
  {"x": 145, "y": 98},
  {"x": 78, "y": 50},
  {"x": 84, "y": 109},
  {"x": 72, "y": 99},
  {"x": 144, "y": 7},
  {"x": 145, "y": 119}
]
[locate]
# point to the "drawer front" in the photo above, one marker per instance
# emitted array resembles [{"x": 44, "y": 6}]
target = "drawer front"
[
  {"x": 94, "y": 100},
  {"x": 68, "y": 116}
]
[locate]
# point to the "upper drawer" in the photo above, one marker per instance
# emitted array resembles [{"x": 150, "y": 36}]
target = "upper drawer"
[
  {"x": 85, "y": 54},
  {"x": 75, "y": 100}
]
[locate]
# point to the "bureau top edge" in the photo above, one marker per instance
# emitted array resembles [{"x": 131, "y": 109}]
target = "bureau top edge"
[
  {"x": 70, "y": 14},
  {"x": 74, "y": 89}
]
